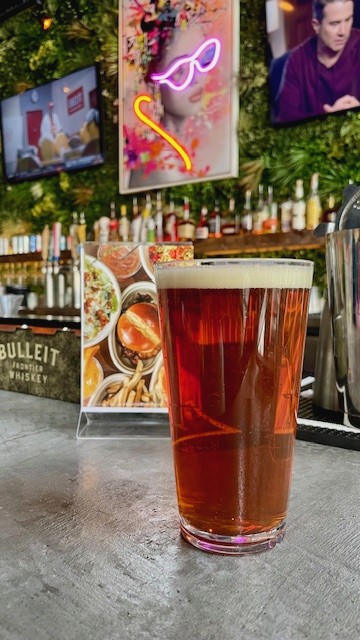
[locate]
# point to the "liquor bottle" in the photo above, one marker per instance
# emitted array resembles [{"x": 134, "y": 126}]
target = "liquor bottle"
[
  {"x": 286, "y": 215},
  {"x": 186, "y": 226},
  {"x": 58, "y": 279},
  {"x": 170, "y": 224},
  {"x": 135, "y": 225},
  {"x": 270, "y": 225},
  {"x": 215, "y": 222},
  {"x": 246, "y": 218},
  {"x": 330, "y": 213},
  {"x": 96, "y": 231},
  {"x": 298, "y": 214},
  {"x": 113, "y": 224},
  {"x": 159, "y": 219},
  {"x": 313, "y": 204},
  {"x": 148, "y": 227},
  {"x": 124, "y": 225},
  {"x": 81, "y": 228},
  {"x": 202, "y": 228},
  {"x": 228, "y": 221},
  {"x": 74, "y": 236},
  {"x": 267, "y": 210},
  {"x": 104, "y": 229},
  {"x": 257, "y": 219}
]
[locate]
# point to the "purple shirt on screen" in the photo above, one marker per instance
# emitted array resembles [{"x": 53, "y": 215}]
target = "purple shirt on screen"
[{"x": 308, "y": 84}]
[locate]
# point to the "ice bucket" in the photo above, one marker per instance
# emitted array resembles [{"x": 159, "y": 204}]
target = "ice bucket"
[{"x": 343, "y": 274}]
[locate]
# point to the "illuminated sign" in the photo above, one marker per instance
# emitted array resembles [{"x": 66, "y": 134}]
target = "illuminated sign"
[
  {"x": 159, "y": 130},
  {"x": 181, "y": 72}
]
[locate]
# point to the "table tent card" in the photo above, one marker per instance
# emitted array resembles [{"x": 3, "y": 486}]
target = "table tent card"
[{"x": 122, "y": 368}]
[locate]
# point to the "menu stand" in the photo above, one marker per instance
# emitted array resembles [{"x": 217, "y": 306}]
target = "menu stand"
[{"x": 123, "y": 388}]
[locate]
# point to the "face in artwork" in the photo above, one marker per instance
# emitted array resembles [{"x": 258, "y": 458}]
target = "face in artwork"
[{"x": 181, "y": 72}]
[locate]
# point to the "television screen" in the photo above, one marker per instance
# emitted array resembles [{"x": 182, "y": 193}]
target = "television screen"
[
  {"x": 314, "y": 49},
  {"x": 54, "y": 127}
]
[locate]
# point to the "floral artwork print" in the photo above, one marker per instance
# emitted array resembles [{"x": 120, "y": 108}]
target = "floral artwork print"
[{"x": 178, "y": 97}]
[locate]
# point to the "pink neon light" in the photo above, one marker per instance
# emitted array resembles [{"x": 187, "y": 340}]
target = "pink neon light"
[{"x": 163, "y": 78}]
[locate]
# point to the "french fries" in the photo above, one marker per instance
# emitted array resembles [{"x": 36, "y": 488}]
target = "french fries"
[
  {"x": 127, "y": 392},
  {"x": 132, "y": 391}
]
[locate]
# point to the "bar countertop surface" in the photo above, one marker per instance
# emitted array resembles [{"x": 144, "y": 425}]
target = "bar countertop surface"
[{"x": 90, "y": 546}]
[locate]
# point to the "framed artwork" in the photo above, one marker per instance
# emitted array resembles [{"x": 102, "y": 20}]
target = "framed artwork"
[{"x": 178, "y": 100}]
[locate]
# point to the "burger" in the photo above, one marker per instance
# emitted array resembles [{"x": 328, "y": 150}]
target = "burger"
[{"x": 138, "y": 331}]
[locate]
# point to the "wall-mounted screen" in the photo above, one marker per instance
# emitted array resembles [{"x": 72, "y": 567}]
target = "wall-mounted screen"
[
  {"x": 314, "y": 48},
  {"x": 53, "y": 127}
]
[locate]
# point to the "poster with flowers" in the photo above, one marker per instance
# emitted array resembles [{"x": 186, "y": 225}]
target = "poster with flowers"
[{"x": 178, "y": 102}]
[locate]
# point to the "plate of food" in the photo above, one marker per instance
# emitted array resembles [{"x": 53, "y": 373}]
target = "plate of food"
[
  {"x": 136, "y": 335},
  {"x": 151, "y": 254},
  {"x": 93, "y": 373},
  {"x": 121, "y": 390},
  {"x": 122, "y": 259},
  {"x": 102, "y": 301}
]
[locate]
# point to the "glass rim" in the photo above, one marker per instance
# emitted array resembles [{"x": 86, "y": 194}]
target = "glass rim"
[{"x": 211, "y": 262}]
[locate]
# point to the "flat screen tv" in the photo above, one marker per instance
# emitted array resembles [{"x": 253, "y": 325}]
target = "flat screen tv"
[
  {"x": 54, "y": 127},
  {"x": 314, "y": 58}
]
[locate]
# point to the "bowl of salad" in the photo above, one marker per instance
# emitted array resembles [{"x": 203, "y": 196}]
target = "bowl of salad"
[{"x": 102, "y": 301}]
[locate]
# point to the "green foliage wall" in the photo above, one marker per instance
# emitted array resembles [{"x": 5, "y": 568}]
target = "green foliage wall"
[{"x": 85, "y": 31}]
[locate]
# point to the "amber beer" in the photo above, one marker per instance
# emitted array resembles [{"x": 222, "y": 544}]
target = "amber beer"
[{"x": 233, "y": 339}]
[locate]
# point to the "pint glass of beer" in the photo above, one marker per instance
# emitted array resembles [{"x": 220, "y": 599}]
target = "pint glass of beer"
[{"x": 233, "y": 336}]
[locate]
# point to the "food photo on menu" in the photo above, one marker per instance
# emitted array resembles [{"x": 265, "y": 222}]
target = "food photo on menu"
[{"x": 122, "y": 362}]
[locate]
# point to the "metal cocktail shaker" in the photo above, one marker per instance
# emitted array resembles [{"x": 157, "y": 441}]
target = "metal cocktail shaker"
[
  {"x": 325, "y": 391},
  {"x": 343, "y": 273}
]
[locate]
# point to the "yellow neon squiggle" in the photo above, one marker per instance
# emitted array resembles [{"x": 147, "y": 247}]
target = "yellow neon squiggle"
[{"x": 155, "y": 127}]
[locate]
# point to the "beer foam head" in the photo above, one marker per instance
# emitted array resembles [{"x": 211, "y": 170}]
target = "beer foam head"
[{"x": 261, "y": 273}]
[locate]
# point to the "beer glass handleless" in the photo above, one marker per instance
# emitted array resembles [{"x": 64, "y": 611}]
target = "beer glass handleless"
[{"x": 233, "y": 336}]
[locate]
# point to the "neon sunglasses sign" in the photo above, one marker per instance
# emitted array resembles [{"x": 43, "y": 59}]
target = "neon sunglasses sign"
[{"x": 180, "y": 74}]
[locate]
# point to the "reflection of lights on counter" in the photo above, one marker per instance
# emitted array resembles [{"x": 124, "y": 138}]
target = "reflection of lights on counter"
[
  {"x": 159, "y": 130},
  {"x": 24, "y": 326}
]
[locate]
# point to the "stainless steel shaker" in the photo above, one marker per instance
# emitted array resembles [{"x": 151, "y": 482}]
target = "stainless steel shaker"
[
  {"x": 343, "y": 273},
  {"x": 325, "y": 392}
]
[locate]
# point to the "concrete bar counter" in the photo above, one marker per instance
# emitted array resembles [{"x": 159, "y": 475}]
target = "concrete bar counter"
[{"x": 90, "y": 548}]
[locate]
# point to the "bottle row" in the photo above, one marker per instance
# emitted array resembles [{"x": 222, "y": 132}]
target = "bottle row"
[
  {"x": 50, "y": 243},
  {"x": 296, "y": 213},
  {"x": 160, "y": 222},
  {"x": 43, "y": 284},
  {"x": 259, "y": 214}
]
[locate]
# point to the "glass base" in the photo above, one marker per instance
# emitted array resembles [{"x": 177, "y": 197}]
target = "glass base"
[{"x": 232, "y": 545}]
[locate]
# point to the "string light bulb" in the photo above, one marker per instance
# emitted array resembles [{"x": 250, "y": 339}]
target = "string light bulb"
[{"x": 46, "y": 23}]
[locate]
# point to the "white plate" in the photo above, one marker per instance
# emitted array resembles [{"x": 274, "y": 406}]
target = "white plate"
[
  {"x": 100, "y": 370},
  {"x": 99, "y": 394},
  {"x": 124, "y": 364},
  {"x": 129, "y": 297},
  {"x": 123, "y": 259},
  {"x": 114, "y": 315}
]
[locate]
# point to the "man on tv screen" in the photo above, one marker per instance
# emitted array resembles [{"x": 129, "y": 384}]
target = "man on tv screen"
[
  {"x": 322, "y": 75},
  {"x": 53, "y": 141}
]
